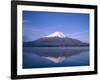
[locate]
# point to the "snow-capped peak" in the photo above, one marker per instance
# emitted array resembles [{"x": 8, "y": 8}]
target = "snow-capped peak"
[{"x": 56, "y": 34}]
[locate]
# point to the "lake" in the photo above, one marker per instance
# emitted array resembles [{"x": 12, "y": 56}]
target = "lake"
[{"x": 44, "y": 57}]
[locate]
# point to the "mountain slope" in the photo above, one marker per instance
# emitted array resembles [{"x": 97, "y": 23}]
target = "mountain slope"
[{"x": 55, "y": 41}]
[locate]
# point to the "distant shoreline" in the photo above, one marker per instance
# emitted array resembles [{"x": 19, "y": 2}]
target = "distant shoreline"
[{"x": 60, "y": 46}]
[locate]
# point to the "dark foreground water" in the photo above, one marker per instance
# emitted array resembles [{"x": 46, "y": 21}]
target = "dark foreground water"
[{"x": 41, "y": 57}]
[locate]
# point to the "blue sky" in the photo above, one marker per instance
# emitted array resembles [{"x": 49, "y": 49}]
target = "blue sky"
[{"x": 39, "y": 24}]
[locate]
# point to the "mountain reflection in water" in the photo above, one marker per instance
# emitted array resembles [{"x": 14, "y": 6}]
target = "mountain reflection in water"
[
  {"x": 56, "y": 59},
  {"x": 54, "y": 56}
]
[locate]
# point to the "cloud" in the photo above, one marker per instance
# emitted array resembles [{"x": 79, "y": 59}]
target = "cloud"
[
  {"x": 83, "y": 36},
  {"x": 26, "y": 21},
  {"x": 76, "y": 34},
  {"x": 30, "y": 34}
]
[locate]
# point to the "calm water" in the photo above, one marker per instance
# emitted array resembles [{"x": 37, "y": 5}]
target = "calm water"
[{"x": 41, "y": 57}]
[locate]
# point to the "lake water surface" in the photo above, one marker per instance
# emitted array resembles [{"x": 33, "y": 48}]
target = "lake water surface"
[{"x": 41, "y": 57}]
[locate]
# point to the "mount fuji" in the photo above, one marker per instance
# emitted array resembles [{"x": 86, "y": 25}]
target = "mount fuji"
[{"x": 53, "y": 40}]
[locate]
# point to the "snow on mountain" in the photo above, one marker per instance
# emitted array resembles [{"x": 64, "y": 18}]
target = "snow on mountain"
[{"x": 56, "y": 34}]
